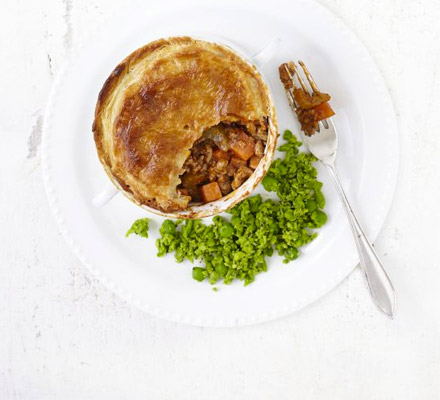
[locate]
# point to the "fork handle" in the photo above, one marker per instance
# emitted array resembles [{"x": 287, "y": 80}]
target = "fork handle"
[{"x": 379, "y": 283}]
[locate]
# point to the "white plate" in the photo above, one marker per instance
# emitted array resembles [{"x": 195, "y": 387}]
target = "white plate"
[{"x": 367, "y": 161}]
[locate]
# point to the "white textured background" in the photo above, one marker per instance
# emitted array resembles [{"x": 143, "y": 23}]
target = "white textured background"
[{"x": 64, "y": 336}]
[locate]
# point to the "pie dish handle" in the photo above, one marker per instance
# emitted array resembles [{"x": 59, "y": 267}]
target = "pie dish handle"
[
  {"x": 104, "y": 196},
  {"x": 267, "y": 52}
]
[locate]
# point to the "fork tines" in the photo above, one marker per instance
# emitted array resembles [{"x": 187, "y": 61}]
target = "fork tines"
[
  {"x": 290, "y": 72},
  {"x": 291, "y": 78}
]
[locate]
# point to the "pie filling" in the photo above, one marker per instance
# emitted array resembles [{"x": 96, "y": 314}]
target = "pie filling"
[{"x": 222, "y": 160}]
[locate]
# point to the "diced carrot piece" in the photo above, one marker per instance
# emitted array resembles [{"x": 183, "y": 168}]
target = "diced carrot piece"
[
  {"x": 210, "y": 192},
  {"x": 243, "y": 146},
  {"x": 237, "y": 162},
  {"x": 254, "y": 161},
  {"x": 220, "y": 154},
  {"x": 323, "y": 111}
]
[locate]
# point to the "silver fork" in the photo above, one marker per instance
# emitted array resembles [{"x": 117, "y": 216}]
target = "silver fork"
[{"x": 324, "y": 145}]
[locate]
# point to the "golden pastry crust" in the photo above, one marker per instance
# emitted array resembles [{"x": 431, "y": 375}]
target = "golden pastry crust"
[{"x": 157, "y": 103}]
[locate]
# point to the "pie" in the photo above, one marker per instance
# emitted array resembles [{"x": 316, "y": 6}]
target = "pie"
[{"x": 182, "y": 121}]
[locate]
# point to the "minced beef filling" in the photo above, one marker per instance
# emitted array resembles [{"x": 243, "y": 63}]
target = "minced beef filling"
[{"x": 222, "y": 160}]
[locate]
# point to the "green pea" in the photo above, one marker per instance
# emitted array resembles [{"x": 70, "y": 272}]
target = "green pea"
[
  {"x": 213, "y": 278},
  {"x": 288, "y": 135},
  {"x": 139, "y": 227},
  {"x": 320, "y": 200},
  {"x": 198, "y": 274},
  {"x": 270, "y": 183},
  {"x": 179, "y": 256},
  {"x": 226, "y": 230},
  {"x": 289, "y": 215},
  {"x": 235, "y": 220},
  {"x": 291, "y": 254},
  {"x": 168, "y": 227},
  {"x": 311, "y": 205},
  {"x": 221, "y": 269},
  {"x": 269, "y": 251},
  {"x": 319, "y": 217}
]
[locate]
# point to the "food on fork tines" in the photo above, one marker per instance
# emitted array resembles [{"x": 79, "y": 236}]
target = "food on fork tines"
[{"x": 309, "y": 108}]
